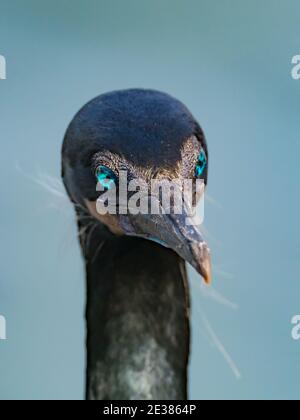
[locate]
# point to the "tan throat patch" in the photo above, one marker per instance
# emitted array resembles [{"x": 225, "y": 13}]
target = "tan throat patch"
[{"x": 110, "y": 221}]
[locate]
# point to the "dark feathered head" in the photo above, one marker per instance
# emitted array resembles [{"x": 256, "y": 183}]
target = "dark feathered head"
[{"x": 150, "y": 136}]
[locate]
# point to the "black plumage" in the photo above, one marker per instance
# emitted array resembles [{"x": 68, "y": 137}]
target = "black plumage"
[{"x": 137, "y": 290}]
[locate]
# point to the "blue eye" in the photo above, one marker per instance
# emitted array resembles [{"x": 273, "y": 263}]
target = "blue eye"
[
  {"x": 106, "y": 177},
  {"x": 201, "y": 164}
]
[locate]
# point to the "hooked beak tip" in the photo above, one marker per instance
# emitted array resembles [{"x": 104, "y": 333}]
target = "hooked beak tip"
[
  {"x": 203, "y": 262},
  {"x": 207, "y": 272}
]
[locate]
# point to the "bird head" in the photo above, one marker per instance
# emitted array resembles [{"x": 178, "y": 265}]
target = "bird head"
[{"x": 147, "y": 145}]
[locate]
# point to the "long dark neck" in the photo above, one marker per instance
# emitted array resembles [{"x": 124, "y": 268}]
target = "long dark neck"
[{"x": 137, "y": 320}]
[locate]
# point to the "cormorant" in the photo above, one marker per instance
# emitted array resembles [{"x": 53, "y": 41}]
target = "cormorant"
[{"x": 137, "y": 292}]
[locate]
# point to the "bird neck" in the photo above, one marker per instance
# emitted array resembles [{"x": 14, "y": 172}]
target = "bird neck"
[{"x": 137, "y": 320}]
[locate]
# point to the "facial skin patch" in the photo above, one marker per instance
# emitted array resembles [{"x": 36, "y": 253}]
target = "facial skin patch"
[{"x": 110, "y": 221}]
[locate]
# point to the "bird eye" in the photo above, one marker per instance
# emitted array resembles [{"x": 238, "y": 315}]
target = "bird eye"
[
  {"x": 106, "y": 177},
  {"x": 201, "y": 164}
]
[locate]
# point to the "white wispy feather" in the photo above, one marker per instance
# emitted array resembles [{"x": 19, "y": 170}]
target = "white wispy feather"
[{"x": 217, "y": 342}]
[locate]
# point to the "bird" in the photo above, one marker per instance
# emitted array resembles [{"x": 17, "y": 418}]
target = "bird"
[{"x": 137, "y": 292}]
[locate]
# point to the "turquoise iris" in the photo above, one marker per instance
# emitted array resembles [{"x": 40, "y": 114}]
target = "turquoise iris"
[
  {"x": 201, "y": 164},
  {"x": 106, "y": 177}
]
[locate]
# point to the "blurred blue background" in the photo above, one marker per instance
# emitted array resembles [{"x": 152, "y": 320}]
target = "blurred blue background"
[{"x": 229, "y": 61}]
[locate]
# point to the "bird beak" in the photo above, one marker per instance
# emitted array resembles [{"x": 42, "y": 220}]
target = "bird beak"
[{"x": 175, "y": 231}]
